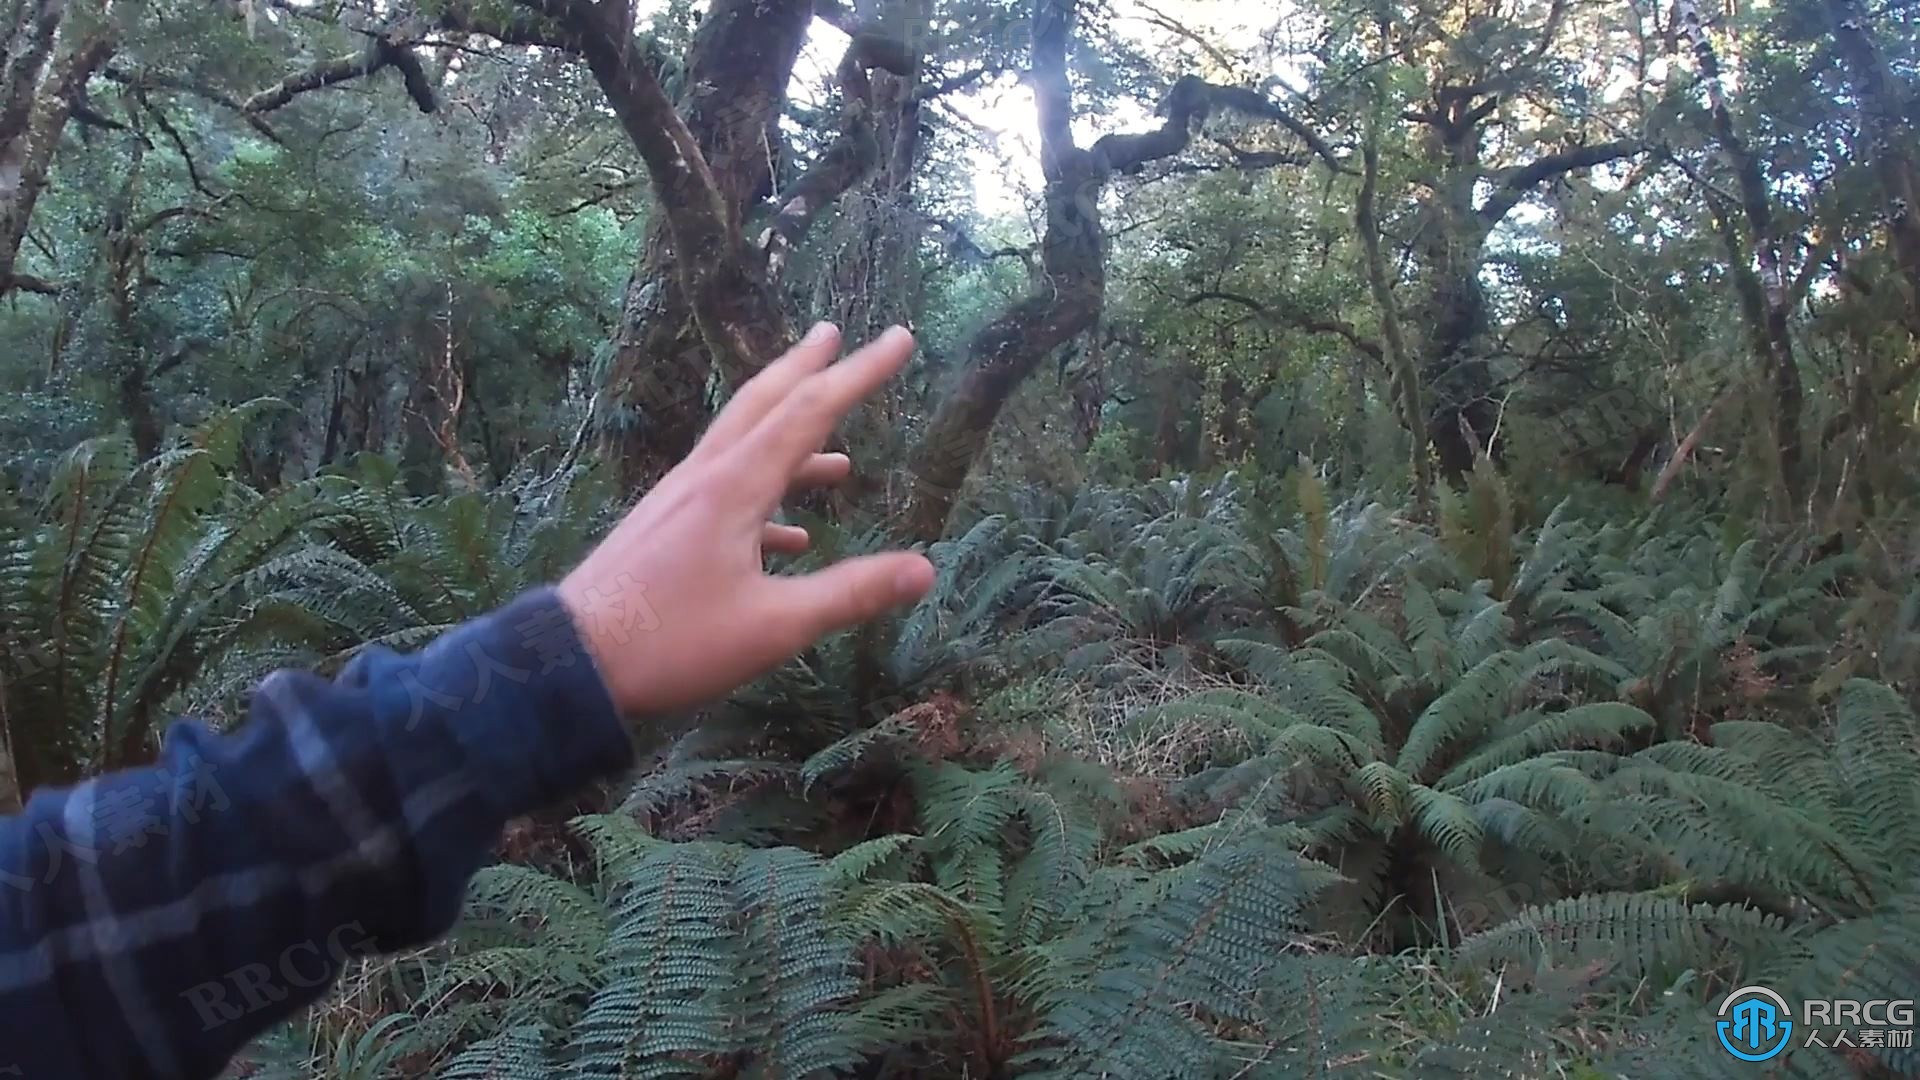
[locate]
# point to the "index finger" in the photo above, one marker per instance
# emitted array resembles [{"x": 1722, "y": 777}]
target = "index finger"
[
  {"x": 789, "y": 434},
  {"x": 764, "y": 392}
]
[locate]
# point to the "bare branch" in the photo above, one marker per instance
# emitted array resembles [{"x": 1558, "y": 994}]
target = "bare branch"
[
  {"x": 392, "y": 48},
  {"x": 319, "y": 76},
  {"x": 957, "y": 83},
  {"x": 1514, "y": 183},
  {"x": 967, "y": 249},
  {"x": 606, "y": 192},
  {"x": 155, "y": 80},
  {"x": 1179, "y": 29},
  {"x": 179, "y": 144},
  {"x": 851, "y": 155},
  {"x": 1290, "y": 314},
  {"x": 1193, "y": 99},
  {"x": 33, "y": 284}
]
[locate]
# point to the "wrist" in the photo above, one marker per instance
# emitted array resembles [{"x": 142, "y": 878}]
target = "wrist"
[{"x": 607, "y": 616}]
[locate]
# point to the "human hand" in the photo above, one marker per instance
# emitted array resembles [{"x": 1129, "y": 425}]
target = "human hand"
[{"x": 675, "y": 605}]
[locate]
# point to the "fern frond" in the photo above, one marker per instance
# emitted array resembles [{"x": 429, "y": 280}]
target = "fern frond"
[
  {"x": 1447, "y": 822},
  {"x": 1196, "y": 944},
  {"x": 1480, "y": 698},
  {"x": 1600, "y": 725},
  {"x": 1637, "y": 933},
  {"x": 855, "y": 864}
]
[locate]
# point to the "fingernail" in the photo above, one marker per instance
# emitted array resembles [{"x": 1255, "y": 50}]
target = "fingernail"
[{"x": 821, "y": 332}]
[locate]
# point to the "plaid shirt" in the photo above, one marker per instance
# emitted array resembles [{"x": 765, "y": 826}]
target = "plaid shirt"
[{"x": 153, "y": 920}]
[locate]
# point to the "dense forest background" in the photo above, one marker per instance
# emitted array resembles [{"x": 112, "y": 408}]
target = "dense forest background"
[{"x": 1424, "y": 494}]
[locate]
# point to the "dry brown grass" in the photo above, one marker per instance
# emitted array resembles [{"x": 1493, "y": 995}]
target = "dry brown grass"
[{"x": 1107, "y": 725}]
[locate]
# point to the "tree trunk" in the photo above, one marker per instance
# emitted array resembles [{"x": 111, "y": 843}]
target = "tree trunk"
[
  {"x": 1765, "y": 299},
  {"x": 1066, "y": 302},
  {"x": 143, "y": 420},
  {"x": 661, "y": 380},
  {"x": 1232, "y": 440},
  {"x": 1089, "y": 393},
  {"x": 1452, "y": 237},
  {"x": 1885, "y": 124},
  {"x": 1453, "y": 247},
  {"x": 423, "y": 470},
  {"x": 36, "y": 100},
  {"x": 873, "y": 278},
  {"x": 999, "y": 357},
  {"x": 1353, "y": 429},
  {"x": 336, "y": 413},
  {"x": 1170, "y": 407},
  {"x": 1406, "y": 379},
  {"x": 1072, "y": 280},
  {"x": 9, "y": 780}
]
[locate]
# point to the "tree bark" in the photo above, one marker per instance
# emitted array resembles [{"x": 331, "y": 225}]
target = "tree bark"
[
  {"x": 1765, "y": 298},
  {"x": 1887, "y": 129},
  {"x": 1406, "y": 378},
  {"x": 392, "y": 47},
  {"x": 37, "y": 93},
  {"x": 660, "y": 381}
]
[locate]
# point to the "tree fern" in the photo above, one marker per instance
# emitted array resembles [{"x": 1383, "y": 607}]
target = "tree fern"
[{"x": 138, "y": 578}]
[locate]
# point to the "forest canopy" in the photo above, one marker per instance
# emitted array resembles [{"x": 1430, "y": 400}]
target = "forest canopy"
[{"x": 1424, "y": 496}]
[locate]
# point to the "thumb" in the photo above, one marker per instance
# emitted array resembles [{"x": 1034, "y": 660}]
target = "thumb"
[{"x": 852, "y": 591}]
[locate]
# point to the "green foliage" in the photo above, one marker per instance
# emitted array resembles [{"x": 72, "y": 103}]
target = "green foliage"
[
  {"x": 1417, "y": 788},
  {"x": 1211, "y": 753},
  {"x": 1436, "y": 799},
  {"x": 134, "y": 579}
]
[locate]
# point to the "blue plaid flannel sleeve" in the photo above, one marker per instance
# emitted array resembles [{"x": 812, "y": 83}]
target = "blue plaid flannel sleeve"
[{"x": 154, "y": 920}]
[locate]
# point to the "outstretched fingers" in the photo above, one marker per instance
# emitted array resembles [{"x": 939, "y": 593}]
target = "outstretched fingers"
[
  {"x": 765, "y": 391},
  {"x": 792, "y": 431}
]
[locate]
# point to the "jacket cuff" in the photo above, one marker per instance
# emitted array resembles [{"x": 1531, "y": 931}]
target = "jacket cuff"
[{"x": 528, "y": 706}]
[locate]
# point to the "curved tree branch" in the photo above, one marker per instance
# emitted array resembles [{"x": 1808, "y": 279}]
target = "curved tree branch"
[
  {"x": 1513, "y": 184},
  {"x": 155, "y": 80},
  {"x": 1070, "y": 291},
  {"x": 851, "y": 155},
  {"x": 393, "y": 47},
  {"x": 1289, "y": 314},
  {"x": 1065, "y": 301},
  {"x": 1192, "y": 100}
]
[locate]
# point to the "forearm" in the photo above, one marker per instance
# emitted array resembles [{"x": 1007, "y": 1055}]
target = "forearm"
[{"x": 216, "y": 892}]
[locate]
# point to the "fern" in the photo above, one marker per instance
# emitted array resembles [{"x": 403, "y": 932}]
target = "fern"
[
  {"x": 1635, "y": 933},
  {"x": 684, "y": 990},
  {"x": 138, "y": 579}
]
